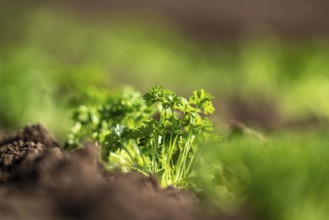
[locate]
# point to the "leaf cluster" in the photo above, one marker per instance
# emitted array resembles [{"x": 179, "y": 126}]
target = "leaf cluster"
[{"x": 159, "y": 133}]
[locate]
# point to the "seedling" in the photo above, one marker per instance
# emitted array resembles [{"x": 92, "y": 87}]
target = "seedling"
[{"x": 159, "y": 133}]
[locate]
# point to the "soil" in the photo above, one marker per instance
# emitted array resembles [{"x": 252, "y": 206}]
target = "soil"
[
  {"x": 39, "y": 181},
  {"x": 212, "y": 20},
  {"x": 259, "y": 113},
  {"x": 264, "y": 114}
]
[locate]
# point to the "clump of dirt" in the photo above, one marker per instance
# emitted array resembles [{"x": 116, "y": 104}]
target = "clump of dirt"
[
  {"x": 31, "y": 133},
  {"x": 18, "y": 149},
  {"x": 38, "y": 181}
]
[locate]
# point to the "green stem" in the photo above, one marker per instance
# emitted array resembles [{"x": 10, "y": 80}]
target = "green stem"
[
  {"x": 172, "y": 145},
  {"x": 141, "y": 170},
  {"x": 143, "y": 159},
  {"x": 131, "y": 158},
  {"x": 187, "y": 147},
  {"x": 153, "y": 157}
]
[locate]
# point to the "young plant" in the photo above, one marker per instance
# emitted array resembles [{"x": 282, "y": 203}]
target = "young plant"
[{"x": 159, "y": 133}]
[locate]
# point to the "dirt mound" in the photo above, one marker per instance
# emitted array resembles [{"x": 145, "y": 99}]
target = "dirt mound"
[{"x": 38, "y": 181}]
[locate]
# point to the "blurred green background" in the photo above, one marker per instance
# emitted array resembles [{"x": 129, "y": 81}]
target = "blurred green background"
[
  {"x": 49, "y": 54},
  {"x": 272, "y": 75}
]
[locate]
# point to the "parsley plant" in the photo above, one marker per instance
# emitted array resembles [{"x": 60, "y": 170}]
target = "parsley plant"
[{"x": 159, "y": 133}]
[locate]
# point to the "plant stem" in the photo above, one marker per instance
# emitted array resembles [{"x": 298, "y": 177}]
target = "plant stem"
[{"x": 131, "y": 158}]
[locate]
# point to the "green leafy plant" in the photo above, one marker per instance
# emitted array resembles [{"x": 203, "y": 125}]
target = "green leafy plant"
[{"x": 159, "y": 133}]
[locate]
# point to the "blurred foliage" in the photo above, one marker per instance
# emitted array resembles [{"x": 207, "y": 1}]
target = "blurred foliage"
[
  {"x": 286, "y": 178},
  {"x": 35, "y": 88},
  {"x": 69, "y": 50}
]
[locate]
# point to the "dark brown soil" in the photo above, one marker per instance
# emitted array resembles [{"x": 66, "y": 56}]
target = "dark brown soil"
[
  {"x": 264, "y": 114},
  {"x": 213, "y": 20},
  {"x": 38, "y": 181},
  {"x": 261, "y": 113}
]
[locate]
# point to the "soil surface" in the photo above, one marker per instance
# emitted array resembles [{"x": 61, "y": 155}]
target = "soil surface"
[
  {"x": 39, "y": 181},
  {"x": 213, "y": 20}
]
